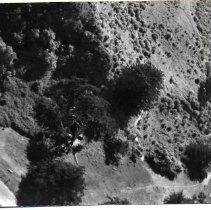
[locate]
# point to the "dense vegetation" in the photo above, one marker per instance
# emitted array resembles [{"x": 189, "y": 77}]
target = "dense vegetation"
[
  {"x": 197, "y": 159},
  {"x": 136, "y": 88},
  {"x": 52, "y": 183},
  {"x": 54, "y": 88},
  {"x": 162, "y": 163}
]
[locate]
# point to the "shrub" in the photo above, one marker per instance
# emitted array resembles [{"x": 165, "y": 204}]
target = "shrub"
[
  {"x": 204, "y": 92},
  {"x": 177, "y": 198},
  {"x": 41, "y": 147},
  {"x": 17, "y": 111},
  {"x": 200, "y": 198},
  {"x": 161, "y": 162},
  {"x": 116, "y": 201},
  {"x": 7, "y": 55},
  {"x": 197, "y": 158},
  {"x": 137, "y": 88},
  {"x": 94, "y": 112},
  {"x": 47, "y": 114},
  {"x": 51, "y": 183},
  {"x": 115, "y": 148}
]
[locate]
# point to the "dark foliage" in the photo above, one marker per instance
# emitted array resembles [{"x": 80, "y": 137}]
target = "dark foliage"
[
  {"x": 93, "y": 63},
  {"x": 137, "y": 88},
  {"x": 51, "y": 183},
  {"x": 197, "y": 158},
  {"x": 60, "y": 37},
  {"x": 94, "y": 112},
  {"x": 17, "y": 110},
  {"x": 114, "y": 149},
  {"x": 47, "y": 113},
  {"x": 52, "y": 64},
  {"x": 200, "y": 198},
  {"x": 177, "y": 198},
  {"x": 81, "y": 109},
  {"x": 42, "y": 147},
  {"x": 204, "y": 92},
  {"x": 161, "y": 163},
  {"x": 76, "y": 107},
  {"x": 116, "y": 201}
]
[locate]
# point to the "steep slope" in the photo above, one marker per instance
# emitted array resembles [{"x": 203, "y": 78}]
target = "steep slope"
[
  {"x": 13, "y": 164},
  {"x": 7, "y": 197},
  {"x": 167, "y": 34},
  {"x": 173, "y": 36},
  {"x": 136, "y": 182}
]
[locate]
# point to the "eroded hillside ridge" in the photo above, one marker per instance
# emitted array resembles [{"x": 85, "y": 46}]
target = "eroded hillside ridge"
[{"x": 174, "y": 36}]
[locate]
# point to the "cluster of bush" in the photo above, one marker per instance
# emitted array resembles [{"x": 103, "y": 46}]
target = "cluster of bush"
[{"x": 180, "y": 198}]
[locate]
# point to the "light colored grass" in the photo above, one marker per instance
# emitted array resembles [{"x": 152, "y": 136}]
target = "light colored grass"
[{"x": 12, "y": 157}]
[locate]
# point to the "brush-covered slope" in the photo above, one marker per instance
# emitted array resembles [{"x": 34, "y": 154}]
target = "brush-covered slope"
[
  {"x": 173, "y": 36},
  {"x": 60, "y": 64}
]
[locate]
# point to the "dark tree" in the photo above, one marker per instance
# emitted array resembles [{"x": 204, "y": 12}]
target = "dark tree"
[
  {"x": 94, "y": 111},
  {"x": 81, "y": 108},
  {"x": 51, "y": 183},
  {"x": 197, "y": 158},
  {"x": 177, "y": 198},
  {"x": 161, "y": 162},
  {"x": 41, "y": 147},
  {"x": 115, "y": 148},
  {"x": 137, "y": 88}
]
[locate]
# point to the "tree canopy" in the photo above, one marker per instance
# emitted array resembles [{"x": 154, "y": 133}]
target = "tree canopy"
[{"x": 52, "y": 183}]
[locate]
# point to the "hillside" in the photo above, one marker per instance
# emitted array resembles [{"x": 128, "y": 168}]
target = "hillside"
[
  {"x": 61, "y": 67},
  {"x": 13, "y": 164},
  {"x": 179, "y": 49}
]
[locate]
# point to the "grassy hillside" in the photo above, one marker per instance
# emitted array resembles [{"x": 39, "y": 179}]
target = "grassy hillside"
[
  {"x": 168, "y": 35},
  {"x": 132, "y": 79},
  {"x": 13, "y": 164}
]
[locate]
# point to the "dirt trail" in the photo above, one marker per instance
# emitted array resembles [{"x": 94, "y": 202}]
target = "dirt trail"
[{"x": 128, "y": 190}]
